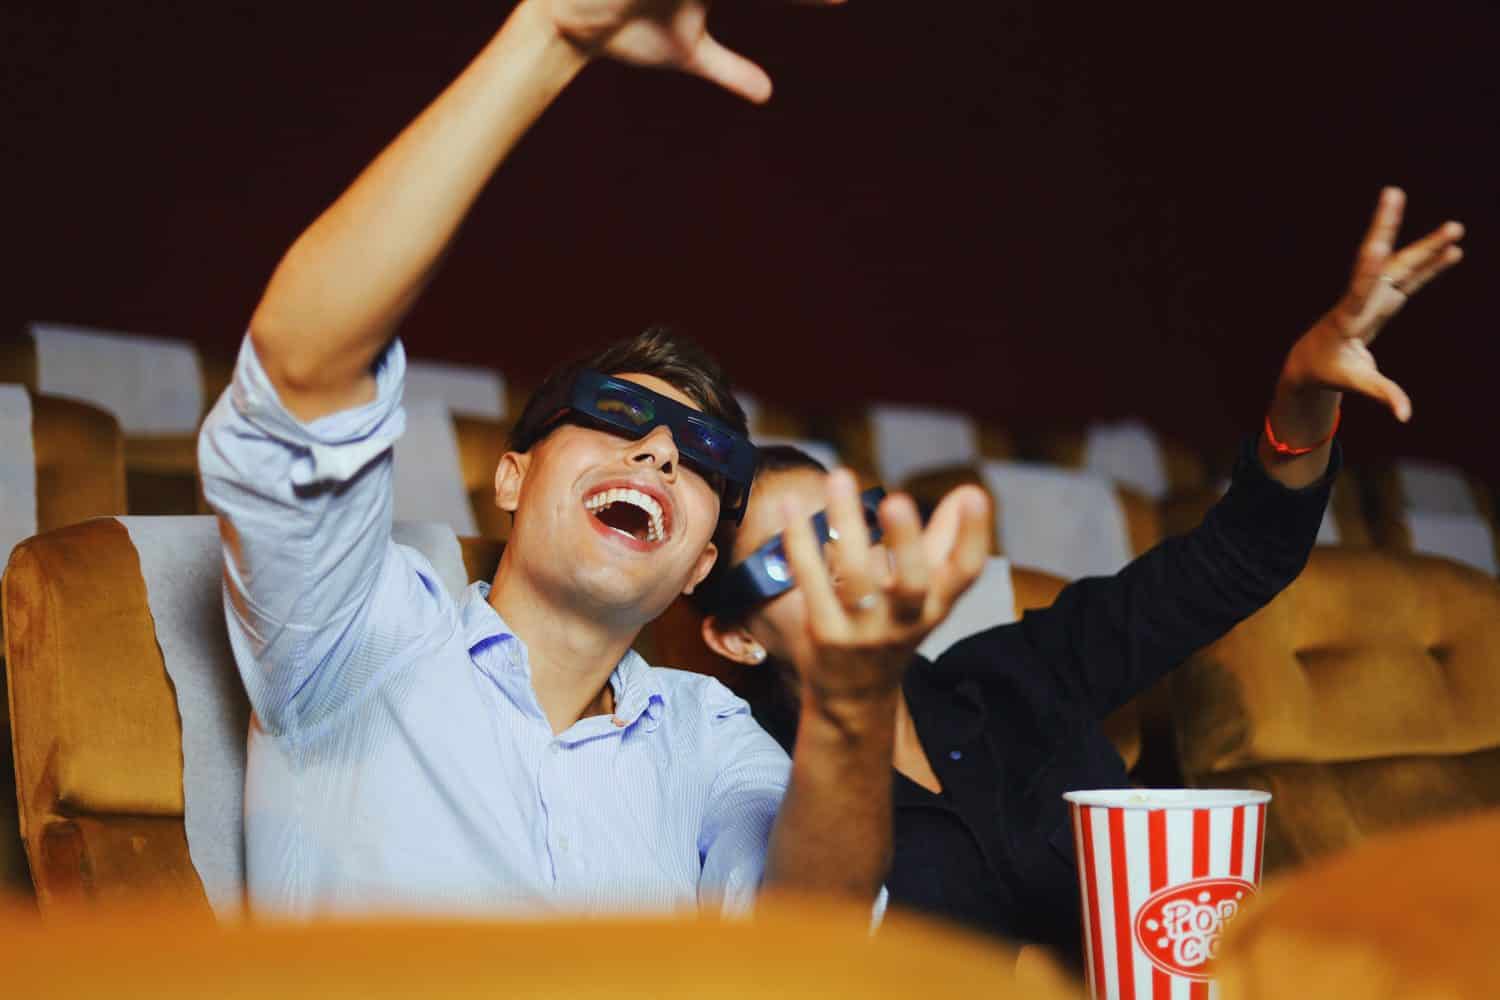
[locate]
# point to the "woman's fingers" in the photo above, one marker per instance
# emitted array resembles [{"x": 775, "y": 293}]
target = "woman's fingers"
[
  {"x": 910, "y": 573},
  {"x": 1384, "y": 390},
  {"x": 1427, "y": 258},
  {"x": 1378, "y": 241},
  {"x": 805, "y": 558}
]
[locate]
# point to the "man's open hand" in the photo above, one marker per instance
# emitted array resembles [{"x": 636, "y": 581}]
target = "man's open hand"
[
  {"x": 668, "y": 34},
  {"x": 868, "y": 609}
]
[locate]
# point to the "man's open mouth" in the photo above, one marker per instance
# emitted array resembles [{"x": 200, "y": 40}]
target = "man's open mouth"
[{"x": 630, "y": 512}]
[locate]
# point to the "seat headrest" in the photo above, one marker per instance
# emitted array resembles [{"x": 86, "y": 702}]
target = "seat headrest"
[{"x": 1367, "y": 654}]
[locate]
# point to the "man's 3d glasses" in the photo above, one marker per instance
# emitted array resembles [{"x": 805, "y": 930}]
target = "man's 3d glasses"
[{"x": 722, "y": 456}]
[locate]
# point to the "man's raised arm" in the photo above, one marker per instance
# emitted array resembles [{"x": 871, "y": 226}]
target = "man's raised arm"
[{"x": 339, "y": 293}]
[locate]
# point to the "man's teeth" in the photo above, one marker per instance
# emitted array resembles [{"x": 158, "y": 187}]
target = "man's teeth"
[{"x": 657, "y": 530}]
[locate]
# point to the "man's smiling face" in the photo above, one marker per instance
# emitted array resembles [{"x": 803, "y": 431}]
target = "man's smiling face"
[{"x": 613, "y": 526}]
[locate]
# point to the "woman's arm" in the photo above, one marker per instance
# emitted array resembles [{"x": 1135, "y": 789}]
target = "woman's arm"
[{"x": 1109, "y": 638}]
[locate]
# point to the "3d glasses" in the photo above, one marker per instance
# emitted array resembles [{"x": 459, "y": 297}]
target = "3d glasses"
[
  {"x": 765, "y": 574},
  {"x": 723, "y": 457}
]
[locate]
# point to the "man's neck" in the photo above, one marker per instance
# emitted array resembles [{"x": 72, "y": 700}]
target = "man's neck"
[{"x": 571, "y": 651}]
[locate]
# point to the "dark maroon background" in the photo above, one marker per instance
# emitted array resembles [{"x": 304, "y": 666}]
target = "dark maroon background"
[{"x": 1044, "y": 212}]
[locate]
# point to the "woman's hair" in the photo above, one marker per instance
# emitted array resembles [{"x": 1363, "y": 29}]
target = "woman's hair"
[
  {"x": 770, "y": 460},
  {"x": 658, "y": 350}
]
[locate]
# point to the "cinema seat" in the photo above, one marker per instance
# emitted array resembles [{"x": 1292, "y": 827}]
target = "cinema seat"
[
  {"x": 80, "y": 473},
  {"x": 1181, "y": 469},
  {"x": 1405, "y": 915},
  {"x": 1366, "y": 697},
  {"x": 160, "y": 464},
  {"x": 896, "y": 442},
  {"x": 96, "y": 726},
  {"x": 481, "y": 443},
  {"x": 1438, "y": 510},
  {"x": 80, "y": 462},
  {"x": 1143, "y": 524}
]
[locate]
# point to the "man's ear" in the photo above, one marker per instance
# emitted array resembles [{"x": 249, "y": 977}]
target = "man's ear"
[
  {"x": 509, "y": 475},
  {"x": 705, "y": 563},
  {"x": 733, "y": 643}
]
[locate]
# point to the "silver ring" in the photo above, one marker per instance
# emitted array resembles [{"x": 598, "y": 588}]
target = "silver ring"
[
  {"x": 867, "y": 602},
  {"x": 1395, "y": 285}
]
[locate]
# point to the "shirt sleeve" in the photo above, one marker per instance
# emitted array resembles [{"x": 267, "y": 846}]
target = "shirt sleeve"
[
  {"x": 1109, "y": 638},
  {"x": 304, "y": 512},
  {"x": 751, "y": 777}
]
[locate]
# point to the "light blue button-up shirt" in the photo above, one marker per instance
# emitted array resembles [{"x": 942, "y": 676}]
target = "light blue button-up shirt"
[{"x": 398, "y": 758}]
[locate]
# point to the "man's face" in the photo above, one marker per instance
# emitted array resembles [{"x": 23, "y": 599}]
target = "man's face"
[{"x": 615, "y": 527}]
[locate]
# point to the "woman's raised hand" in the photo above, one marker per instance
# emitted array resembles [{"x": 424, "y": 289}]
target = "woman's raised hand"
[
  {"x": 868, "y": 609},
  {"x": 1335, "y": 353},
  {"x": 669, "y": 34}
]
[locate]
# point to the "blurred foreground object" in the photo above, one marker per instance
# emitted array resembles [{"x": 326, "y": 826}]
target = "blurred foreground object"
[
  {"x": 1407, "y": 915},
  {"x": 793, "y": 948}
]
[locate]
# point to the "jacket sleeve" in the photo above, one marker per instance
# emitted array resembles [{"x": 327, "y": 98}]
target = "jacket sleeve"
[{"x": 1109, "y": 638}]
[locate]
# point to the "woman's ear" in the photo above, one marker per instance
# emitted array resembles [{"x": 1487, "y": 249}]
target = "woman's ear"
[
  {"x": 509, "y": 475},
  {"x": 734, "y": 643}
]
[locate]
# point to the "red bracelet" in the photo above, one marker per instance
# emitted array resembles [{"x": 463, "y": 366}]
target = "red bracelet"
[{"x": 1282, "y": 448}]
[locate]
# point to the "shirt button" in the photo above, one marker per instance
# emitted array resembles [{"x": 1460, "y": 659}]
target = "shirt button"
[
  {"x": 955, "y": 755},
  {"x": 554, "y": 747},
  {"x": 562, "y": 843}
]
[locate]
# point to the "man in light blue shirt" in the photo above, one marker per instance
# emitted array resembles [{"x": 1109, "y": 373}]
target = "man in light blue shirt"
[{"x": 508, "y": 751}]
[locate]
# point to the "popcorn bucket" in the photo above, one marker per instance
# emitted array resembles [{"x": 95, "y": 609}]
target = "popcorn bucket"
[{"x": 1161, "y": 871}]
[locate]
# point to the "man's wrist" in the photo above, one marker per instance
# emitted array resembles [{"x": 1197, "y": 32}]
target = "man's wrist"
[
  {"x": 849, "y": 718},
  {"x": 558, "y": 47}
]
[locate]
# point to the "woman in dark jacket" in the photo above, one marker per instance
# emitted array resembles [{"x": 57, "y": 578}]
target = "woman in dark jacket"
[{"x": 991, "y": 734}]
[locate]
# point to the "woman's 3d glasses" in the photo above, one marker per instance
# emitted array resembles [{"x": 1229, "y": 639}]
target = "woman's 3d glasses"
[
  {"x": 722, "y": 456},
  {"x": 765, "y": 573}
]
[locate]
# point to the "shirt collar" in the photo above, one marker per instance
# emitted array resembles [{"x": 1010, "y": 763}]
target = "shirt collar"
[{"x": 501, "y": 654}]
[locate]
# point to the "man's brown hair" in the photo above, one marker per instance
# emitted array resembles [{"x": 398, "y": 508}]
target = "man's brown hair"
[{"x": 658, "y": 350}]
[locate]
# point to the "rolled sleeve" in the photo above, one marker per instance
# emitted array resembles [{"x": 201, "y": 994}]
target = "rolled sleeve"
[
  {"x": 305, "y": 515},
  {"x": 751, "y": 780}
]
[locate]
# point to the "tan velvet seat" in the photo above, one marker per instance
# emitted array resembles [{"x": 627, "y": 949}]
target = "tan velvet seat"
[
  {"x": 1407, "y": 915},
  {"x": 80, "y": 473},
  {"x": 160, "y": 470},
  {"x": 97, "y": 737},
  {"x": 80, "y": 462},
  {"x": 1364, "y": 698},
  {"x": 481, "y": 443}
]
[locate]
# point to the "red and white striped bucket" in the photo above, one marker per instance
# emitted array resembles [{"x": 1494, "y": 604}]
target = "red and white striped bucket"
[{"x": 1161, "y": 871}]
